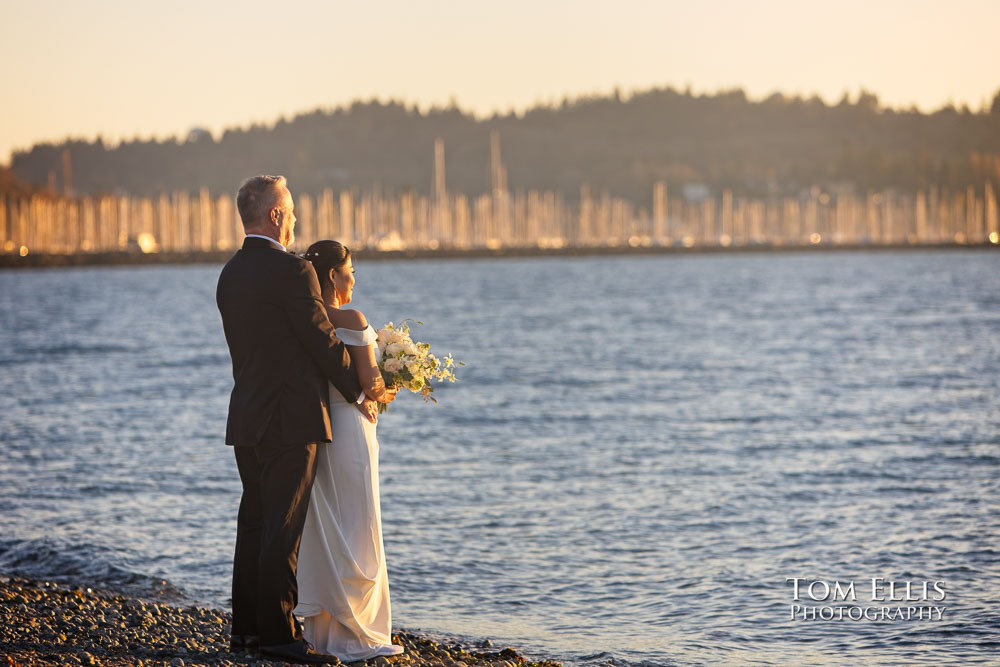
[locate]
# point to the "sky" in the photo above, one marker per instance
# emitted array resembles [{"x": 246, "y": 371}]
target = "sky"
[{"x": 126, "y": 69}]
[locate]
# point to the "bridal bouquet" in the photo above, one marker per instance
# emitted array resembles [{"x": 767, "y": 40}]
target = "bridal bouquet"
[{"x": 409, "y": 364}]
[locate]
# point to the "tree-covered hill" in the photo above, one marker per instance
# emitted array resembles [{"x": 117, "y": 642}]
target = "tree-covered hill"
[{"x": 777, "y": 145}]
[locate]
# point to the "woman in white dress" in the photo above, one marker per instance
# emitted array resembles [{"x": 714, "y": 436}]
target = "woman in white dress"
[{"x": 342, "y": 580}]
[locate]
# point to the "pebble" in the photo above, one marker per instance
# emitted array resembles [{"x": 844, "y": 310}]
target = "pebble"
[{"x": 88, "y": 627}]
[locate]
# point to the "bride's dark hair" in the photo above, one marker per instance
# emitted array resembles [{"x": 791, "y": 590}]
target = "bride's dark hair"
[{"x": 326, "y": 255}]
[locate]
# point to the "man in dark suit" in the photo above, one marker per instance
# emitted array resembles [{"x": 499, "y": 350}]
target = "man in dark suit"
[{"x": 284, "y": 351}]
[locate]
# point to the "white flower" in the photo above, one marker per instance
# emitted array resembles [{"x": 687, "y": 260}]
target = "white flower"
[
  {"x": 393, "y": 349},
  {"x": 393, "y": 365}
]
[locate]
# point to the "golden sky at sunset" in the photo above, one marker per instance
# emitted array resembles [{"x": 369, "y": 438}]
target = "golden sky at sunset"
[{"x": 127, "y": 69}]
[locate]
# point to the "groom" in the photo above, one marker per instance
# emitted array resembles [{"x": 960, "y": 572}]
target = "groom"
[{"x": 284, "y": 351}]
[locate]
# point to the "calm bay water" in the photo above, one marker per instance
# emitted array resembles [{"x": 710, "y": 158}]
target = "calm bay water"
[{"x": 639, "y": 453}]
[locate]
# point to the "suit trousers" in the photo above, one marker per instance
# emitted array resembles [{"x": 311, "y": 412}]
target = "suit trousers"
[{"x": 277, "y": 480}]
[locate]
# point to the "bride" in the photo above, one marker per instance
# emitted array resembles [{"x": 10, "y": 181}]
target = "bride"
[{"x": 342, "y": 580}]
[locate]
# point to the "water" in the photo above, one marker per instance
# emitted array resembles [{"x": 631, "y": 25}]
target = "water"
[{"x": 639, "y": 453}]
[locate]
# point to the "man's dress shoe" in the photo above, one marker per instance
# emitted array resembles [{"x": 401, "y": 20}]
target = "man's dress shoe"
[
  {"x": 248, "y": 643},
  {"x": 300, "y": 652}
]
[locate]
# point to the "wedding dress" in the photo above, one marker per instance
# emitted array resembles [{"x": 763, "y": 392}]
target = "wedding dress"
[{"x": 342, "y": 580}]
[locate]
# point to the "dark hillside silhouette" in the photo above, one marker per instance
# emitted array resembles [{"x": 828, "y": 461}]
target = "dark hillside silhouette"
[{"x": 778, "y": 145}]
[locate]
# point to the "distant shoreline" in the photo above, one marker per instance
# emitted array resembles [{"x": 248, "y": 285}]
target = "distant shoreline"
[{"x": 133, "y": 258}]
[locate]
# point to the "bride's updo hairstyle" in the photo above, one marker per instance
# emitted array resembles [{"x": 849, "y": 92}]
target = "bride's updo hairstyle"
[{"x": 326, "y": 255}]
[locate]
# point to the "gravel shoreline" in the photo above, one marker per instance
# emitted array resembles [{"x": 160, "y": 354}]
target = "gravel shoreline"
[{"x": 43, "y": 623}]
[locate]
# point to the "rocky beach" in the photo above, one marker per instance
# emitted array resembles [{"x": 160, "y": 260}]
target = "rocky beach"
[{"x": 45, "y": 623}]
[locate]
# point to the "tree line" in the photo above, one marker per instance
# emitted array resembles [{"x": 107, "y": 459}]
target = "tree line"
[{"x": 775, "y": 146}]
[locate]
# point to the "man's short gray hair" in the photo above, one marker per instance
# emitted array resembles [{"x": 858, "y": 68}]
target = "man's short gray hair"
[{"x": 257, "y": 196}]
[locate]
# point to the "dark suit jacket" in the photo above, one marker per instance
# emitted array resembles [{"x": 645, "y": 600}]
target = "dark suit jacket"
[{"x": 283, "y": 347}]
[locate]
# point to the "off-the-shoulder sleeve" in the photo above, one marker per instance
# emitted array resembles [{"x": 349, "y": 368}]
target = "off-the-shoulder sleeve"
[{"x": 357, "y": 338}]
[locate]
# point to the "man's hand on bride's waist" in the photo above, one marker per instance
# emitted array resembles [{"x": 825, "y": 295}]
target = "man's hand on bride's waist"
[{"x": 369, "y": 409}]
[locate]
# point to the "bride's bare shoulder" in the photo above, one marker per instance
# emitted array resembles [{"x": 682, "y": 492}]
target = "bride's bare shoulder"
[{"x": 342, "y": 318}]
